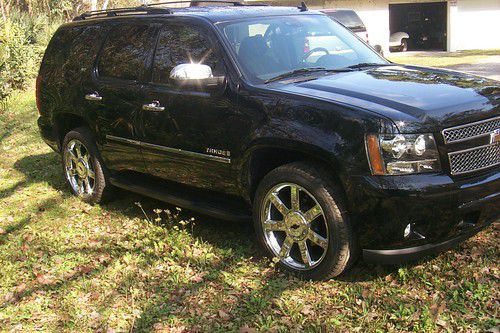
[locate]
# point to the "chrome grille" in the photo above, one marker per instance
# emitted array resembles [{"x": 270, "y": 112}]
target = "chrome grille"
[
  {"x": 474, "y": 159},
  {"x": 470, "y": 131}
]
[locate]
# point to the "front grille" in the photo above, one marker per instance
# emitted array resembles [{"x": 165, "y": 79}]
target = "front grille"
[
  {"x": 474, "y": 159},
  {"x": 470, "y": 131}
]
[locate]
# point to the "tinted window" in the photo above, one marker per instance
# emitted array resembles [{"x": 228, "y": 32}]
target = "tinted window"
[
  {"x": 71, "y": 52},
  {"x": 348, "y": 18},
  {"x": 127, "y": 52},
  {"x": 180, "y": 45}
]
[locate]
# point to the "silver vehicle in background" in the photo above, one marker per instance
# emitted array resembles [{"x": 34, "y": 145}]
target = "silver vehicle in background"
[{"x": 353, "y": 22}]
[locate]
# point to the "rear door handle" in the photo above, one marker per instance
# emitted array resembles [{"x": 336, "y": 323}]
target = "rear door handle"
[
  {"x": 153, "y": 106},
  {"x": 93, "y": 97}
]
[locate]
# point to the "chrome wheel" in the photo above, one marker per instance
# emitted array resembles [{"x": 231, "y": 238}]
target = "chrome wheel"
[
  {"x": 294, "y": 226},
  {"x": 79, "y": 169}
]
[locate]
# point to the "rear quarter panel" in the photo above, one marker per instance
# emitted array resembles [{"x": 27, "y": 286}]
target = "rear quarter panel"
[{"x": 66, "y": 71}]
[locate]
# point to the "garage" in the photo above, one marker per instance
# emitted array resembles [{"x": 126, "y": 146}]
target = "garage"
[
  {"x": 448, "y": 25},
  {"x": 425, "y": 23}
]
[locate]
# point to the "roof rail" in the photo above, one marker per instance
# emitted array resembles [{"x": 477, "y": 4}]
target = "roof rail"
[
  {"x": 154, "y": 8},
  {"x": 195, "y": 3},
  {"x": 143, "y": 9}
]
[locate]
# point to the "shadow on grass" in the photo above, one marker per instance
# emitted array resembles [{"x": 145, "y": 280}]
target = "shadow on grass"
[{"x": 222, "y": 235}]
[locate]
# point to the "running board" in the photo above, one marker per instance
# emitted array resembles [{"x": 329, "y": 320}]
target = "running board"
[{"x": 211, "y": 204}]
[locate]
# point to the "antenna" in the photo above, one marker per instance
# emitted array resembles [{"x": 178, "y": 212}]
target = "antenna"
[{"x": 302, "y": 7}]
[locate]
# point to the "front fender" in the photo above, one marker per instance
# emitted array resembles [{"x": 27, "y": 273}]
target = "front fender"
[{"x": 397, "y": 37}]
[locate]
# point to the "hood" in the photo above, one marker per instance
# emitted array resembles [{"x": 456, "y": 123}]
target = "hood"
[{"x": 416, "y": 99}]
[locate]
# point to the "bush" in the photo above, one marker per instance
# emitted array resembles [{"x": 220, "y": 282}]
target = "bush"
[{"x": 22, "y": 42}]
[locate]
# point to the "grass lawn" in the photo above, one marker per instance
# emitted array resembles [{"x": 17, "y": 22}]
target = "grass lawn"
[
  {"x": 442, "y": 59},
  {"x": 136, "y": 264}
]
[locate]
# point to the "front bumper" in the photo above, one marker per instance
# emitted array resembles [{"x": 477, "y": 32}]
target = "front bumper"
[
  {"x": 398, "y": 256},
  {"x": 440, "y": 210}
]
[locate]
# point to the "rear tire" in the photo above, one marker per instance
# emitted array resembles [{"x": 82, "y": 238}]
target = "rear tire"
[
  {"x": 307, "y": 233},
  {"x": 83, "y": 168}
]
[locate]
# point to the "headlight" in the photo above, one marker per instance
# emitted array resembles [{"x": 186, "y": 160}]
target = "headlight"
[{"x": 398, "y": 154}]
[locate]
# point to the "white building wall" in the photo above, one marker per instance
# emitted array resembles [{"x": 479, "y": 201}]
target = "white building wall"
[
  {"x": 475, "y": 24},
  {"x": 472, "y": 24}
]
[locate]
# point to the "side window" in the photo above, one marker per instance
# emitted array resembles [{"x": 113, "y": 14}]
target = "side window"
[
  {"x": 180, "y": 45},
  {"x": 71, "y": 52},
  {"x": 127, "y": 52}
]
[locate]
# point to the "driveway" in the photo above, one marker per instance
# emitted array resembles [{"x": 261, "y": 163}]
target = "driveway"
[
  {"x": 483, "y": 63},
  {"x": 488, "y": 67}
]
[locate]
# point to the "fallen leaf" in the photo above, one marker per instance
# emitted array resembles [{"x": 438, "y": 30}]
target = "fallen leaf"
[
  {"x": 85, "y": 269},
  {"x": 246, "y": 329},
  {"x": 44, "y": 279},
  {"x": 441, "y": 323},
  {"x": 21, "y": 288},
  {"x": 9, "y": 297},
  {"x": 223, "y": 315},
  {"x": 158, "y": 326},
  {"x": 307, "y": 310}
]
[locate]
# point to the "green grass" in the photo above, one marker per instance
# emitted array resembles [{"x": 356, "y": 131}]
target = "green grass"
[
  {"x": 442, "y": 59},
  {"x": 70, "y": 267}
]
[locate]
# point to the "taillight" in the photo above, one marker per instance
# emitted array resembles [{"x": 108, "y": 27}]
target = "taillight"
[
  {"x": 37, "y": 94},
  {"x": 307, "y": 48}
]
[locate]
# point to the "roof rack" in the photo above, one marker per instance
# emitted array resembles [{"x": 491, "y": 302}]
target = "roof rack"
[
  {"x": 152, "y": 8},
  {"x": 122, "y": 11},
  {"x": 195, "y": 3}
]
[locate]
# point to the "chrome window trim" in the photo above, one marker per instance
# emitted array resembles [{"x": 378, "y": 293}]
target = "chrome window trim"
[
  {"x": 170, "y": 150},
  {"x": 467, "y": 125},
  {"x": 467, "y": 150}
]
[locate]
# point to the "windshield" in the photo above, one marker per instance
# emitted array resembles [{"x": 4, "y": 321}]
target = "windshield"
[{"x": 269, "y": 47}]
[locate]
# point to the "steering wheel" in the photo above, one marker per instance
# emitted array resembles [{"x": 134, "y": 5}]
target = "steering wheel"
[
  {"x": 271, "y": 29},
  {"x": 308, "y": 54}
]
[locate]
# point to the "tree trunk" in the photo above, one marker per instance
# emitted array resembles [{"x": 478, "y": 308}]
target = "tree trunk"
[
  {"x": 93, "y": 4},
  {"x": 105, "y": 5}
]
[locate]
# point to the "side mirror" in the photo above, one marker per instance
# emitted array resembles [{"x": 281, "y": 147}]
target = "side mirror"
[{"x": 195, "y": 75}]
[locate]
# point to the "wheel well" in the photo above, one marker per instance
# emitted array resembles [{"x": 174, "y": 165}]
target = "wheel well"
[
  {"x": 66, "y": 122},
  {"x": 264, "y": 160}
]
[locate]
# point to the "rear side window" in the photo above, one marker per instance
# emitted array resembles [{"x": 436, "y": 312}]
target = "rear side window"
[
  {"x": 180, "y": 45},
  {"x": 127, "y": 52},
  {"x": 71, "y": 53}
]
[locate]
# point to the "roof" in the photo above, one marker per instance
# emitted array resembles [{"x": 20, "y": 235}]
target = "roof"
[
  {"x": 212, "y": 13},
  {"x": 229, "y": 13}
]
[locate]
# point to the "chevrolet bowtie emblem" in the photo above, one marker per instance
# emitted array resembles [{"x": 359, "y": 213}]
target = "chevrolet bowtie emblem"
[{"x": 495, "y": 136}]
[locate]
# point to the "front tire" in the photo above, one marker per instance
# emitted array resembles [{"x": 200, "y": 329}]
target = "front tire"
[
  {"x": 300, "y": 220},
  {"x": 83, "y": 168}
]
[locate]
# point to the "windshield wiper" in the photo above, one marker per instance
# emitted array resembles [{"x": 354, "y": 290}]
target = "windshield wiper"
[
  {"x": 367, "y": 64},
  {"x": 305, "y": 71}
]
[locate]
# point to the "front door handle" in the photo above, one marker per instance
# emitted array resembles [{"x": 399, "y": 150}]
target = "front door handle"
[
  {"x": 153, "y": 106},
  {"x": 93, "y": 97}
]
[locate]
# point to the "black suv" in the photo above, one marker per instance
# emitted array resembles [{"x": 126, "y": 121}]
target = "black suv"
[{"x": 279, "y": 113}]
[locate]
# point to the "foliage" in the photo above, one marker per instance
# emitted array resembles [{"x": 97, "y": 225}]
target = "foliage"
[
  {"x": 25, "y": 31},
  {"x": 22, "y": 42},
  {"x": 70, "y": 267}
]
